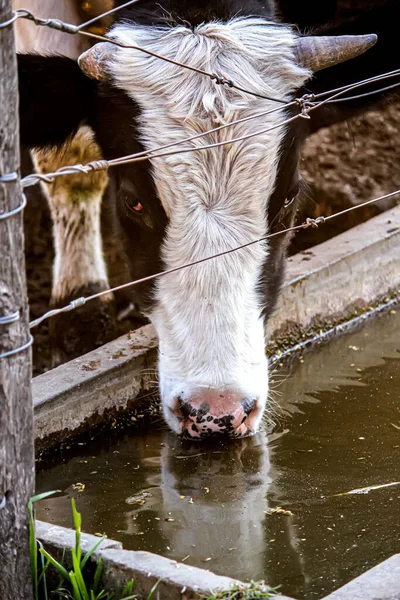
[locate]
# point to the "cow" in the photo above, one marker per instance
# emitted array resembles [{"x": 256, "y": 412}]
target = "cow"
[
  {"x": 75, "y": 203},
  {"x": 180, "y": 208}
]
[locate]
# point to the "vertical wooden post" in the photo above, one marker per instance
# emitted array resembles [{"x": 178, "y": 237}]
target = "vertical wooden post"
[{"x": 16, "y": 415}]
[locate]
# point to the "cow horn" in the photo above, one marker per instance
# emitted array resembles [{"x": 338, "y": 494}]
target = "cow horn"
[
  {"x": 93, "y": 61},
  {"x": 317, "y": 53}
]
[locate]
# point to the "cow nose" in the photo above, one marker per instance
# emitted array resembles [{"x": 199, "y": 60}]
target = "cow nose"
[{"x": 215, "y": 413}]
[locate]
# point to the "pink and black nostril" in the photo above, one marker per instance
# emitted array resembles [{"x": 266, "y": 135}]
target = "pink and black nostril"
[{"x": 210, "y": 414}]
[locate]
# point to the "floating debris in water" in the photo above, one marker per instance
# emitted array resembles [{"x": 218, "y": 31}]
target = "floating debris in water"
[
  {"x": 141, "y": 499},
  {"x": 278, "y": 510},
  {"x": 186, "y": 557},
  {"x": 365, "y": 490},
  {"x": 395, "y": 426},
  {"x": 207, "y": 559},
  {"x": 207, "y": 489},
  {"x": 78, "y": 487},
  {"x": 169, "y": 520},
  {"x": 190, "y": 455}
]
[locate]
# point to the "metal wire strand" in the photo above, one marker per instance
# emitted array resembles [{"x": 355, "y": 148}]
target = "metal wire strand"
[
  {"x": 17, "y": 350},
  {"x": 9, "y": 177},
  {"x": 34, "y": 178},
  {"x": 74, "y": 29},
  {"x": 10, "y": 21},
  {"x": 313, "y": 223},
  {"x": 12, "y": 318},
  {"x": 106, "y": 14},
  {"x": 15, "y": 211},
  {"x": 307, "y": 103}
]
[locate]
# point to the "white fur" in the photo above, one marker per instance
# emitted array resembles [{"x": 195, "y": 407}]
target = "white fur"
[
  {"x": 75, "y": 206},
  {"x": 208, "y": 317}
]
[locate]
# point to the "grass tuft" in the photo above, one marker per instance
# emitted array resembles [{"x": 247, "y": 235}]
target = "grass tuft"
[
  {"x": 75, "y": 584},
  {"x": 248, "y": 591}
]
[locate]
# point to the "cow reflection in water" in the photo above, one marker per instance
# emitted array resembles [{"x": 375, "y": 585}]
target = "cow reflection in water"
[{"x": 216, "y": 501}]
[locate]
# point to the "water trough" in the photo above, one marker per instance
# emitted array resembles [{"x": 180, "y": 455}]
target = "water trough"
[{"x": 325, "y": 287}]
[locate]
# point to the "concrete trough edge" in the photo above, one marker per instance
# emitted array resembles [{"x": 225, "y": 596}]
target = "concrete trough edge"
[
  {"x": 177, "y": 581},
  {"x": 324, "y": 285},
  {"x": 183, "y": 582},
  {"x": 382, "y": 582},
  {"x": 337, "y": 279}
]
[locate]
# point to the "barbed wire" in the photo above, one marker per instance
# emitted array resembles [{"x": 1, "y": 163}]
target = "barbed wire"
[
  {"x": 309, "y": 222},
  {"x": 307, "y": 103},
  {"x": 79, "y": 29},
  {"x": 59, "y": 25}
]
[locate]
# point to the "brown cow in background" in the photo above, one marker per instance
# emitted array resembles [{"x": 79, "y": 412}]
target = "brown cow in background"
[{"x": 75, "y": 201}]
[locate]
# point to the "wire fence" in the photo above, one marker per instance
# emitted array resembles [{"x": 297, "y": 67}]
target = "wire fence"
[{"x": 305, "y": 104}]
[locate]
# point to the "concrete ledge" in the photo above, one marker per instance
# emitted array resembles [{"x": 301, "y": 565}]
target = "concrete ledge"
[
  {"x": 379, "y": 583},
  {"x": 84, "y": 391},
  {"x": 177, "y": 580},
  {"x": 324, "y": 286},
  {"x": 333, "y": 281}
]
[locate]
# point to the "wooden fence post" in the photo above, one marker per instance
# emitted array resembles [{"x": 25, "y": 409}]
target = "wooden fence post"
[{"x": 16, "y": 415}]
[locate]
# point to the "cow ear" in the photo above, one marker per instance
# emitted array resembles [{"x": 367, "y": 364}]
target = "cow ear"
[
  {"x": 383, "y": 57},
  {"x": 55, "y": 99}
]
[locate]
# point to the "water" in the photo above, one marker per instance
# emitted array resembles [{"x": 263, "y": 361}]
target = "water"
[{"x": 337, "y": 429}]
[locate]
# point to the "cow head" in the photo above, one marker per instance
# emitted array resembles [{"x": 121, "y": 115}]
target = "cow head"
[{"x": 210, "y": 318}]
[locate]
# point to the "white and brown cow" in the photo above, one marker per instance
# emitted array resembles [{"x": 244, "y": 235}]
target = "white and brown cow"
[{"x": 180, "y": 208}]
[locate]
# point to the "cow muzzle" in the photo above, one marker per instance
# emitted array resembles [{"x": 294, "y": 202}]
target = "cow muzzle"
[{"x": 210, "y": 413}]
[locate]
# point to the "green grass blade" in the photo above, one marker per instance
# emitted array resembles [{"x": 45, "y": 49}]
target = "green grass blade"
[
  {"x": 153, "y": 589},
  {"x": 77, "y": 525},
  {"x": 43, "y": 573},
  {"x": 32, "y": 540},
  {"x": 33, "y": 551},
  {"x": 93, "y": 549},
  {"x": 39, "y": 497},
  {"x": 62, "y": 570},
  {"x": 97, "y": 575},
  {"x": 127, "y": 589},
  {"x": 78, "y": 575},
  {"x": 75, "y": 586}
]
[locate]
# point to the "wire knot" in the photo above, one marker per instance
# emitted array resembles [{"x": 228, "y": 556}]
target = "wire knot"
[
  {"x": 24, "y": 13},
  {"x": 305, "y": 103},
  {"x": 221, "y": 80},
  {"x": 314, "y": 223},
  {"x": 97, "y": 165}
]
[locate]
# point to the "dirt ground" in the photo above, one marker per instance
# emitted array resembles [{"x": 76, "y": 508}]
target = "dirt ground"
[{"x": 344, "y": 165}]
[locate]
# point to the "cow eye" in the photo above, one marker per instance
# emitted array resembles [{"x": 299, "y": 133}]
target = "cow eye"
[
  {"x": 135, "y": 205},
  {"x": 132, "y": 204},
  {"x": 292, "y": 195}
]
